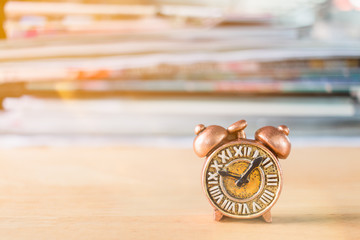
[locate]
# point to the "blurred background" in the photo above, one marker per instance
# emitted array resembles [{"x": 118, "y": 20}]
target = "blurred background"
[{"x": 145, "y": 72}]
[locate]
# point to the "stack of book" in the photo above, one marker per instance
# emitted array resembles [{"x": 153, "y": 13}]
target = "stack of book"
[{"x": 202, "y": 49}]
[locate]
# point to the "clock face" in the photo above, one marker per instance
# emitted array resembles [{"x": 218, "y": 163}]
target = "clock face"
[{"x": 242, "y": 179}]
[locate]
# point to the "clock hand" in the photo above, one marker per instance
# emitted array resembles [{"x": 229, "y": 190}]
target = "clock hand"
[
  {"x": 225, "y": 173},
  {"x": 244, "y": 177}
]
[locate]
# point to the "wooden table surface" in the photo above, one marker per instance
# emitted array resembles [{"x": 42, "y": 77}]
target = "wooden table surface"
[{"x": 154, "y": 193}]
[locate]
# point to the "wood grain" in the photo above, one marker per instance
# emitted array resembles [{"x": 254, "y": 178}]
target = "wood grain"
[{"x": 144, "y": 193}]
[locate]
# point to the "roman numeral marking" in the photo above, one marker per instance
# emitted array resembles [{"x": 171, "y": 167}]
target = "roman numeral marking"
[
  {"x": 243, "y": 208},
  {"x": 256, "y": 207},
  {"x": 228, "y": 205},
  {"x": 223, "y": 156},
  {"x": 244, "y": 151},
  {"x": 229, "y": 153},
  {"x": 216, "y": 165},
  {"x": 232, "y": 208},
  {"x": 212, "y": 176},
  {"x": 267, "y": 163},
  {"x": 271, "y": 180},
  {"x": 239, "y": 208},
  {"x": 219, "y": 198},
  {"x": 247, "y": 151},
  {"x": 267, "y": 197},
  {"x": 238, "y": 151},
  {"x": 213, "y": 182},
  {"x": 214, "y": 190},
  {"x": 256, "y": 153},
  {"x": 216, "y": 194}
]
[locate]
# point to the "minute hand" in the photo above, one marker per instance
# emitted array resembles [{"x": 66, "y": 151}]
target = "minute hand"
[{"x": 244, "y": 177}]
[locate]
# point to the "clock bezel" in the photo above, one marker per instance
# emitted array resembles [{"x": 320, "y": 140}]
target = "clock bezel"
[{"x": 250, "y": 142}]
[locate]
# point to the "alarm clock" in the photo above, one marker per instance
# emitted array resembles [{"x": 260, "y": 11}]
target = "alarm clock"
[{"x": 241, "y": 177}]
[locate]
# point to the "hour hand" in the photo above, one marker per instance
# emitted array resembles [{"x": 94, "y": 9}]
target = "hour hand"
[
  {"x": 244, "y": 177},
  {"x": 225, "y": 173}
]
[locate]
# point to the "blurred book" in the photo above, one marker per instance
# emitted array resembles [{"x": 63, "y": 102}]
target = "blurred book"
[
  {"x": 161, "y": 65},
  {"x": 166, "y": 48},
  {"x": 28, "y": 19}
]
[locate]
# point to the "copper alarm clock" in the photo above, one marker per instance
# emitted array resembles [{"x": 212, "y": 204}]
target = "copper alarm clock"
[{"x": 242, "y": 178}]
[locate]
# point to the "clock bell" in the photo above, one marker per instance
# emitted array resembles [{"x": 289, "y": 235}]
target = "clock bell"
[{"x": 208, "y": 138}]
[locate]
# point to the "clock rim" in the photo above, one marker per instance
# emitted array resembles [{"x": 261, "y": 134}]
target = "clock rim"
[{"x": 242, "y": 141}]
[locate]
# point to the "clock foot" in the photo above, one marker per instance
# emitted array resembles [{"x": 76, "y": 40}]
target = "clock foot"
[
  {"x": 217, "y": 215},
  {"x": 267, "y": 217}
]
